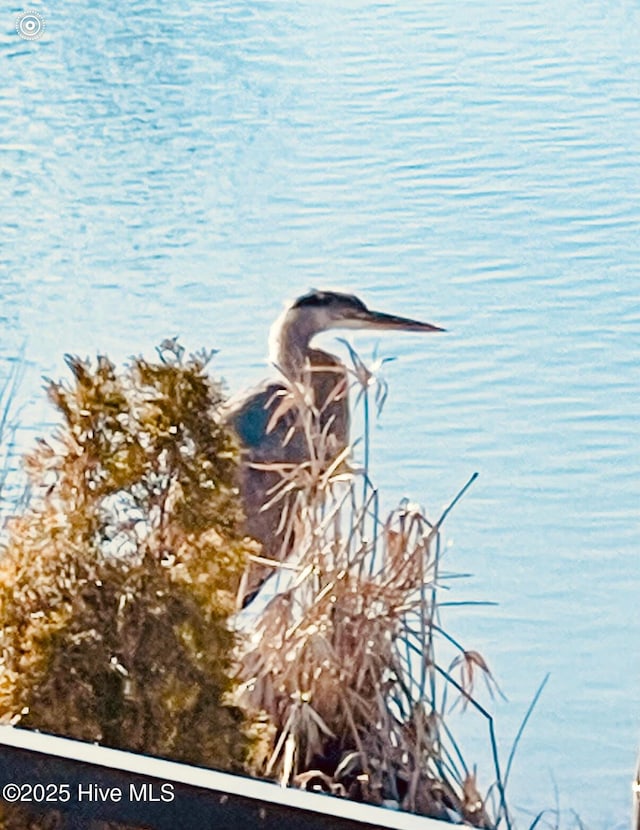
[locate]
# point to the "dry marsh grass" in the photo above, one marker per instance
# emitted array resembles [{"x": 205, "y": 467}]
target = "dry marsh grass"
[
  {"x": 349, "y": 661},
  {"x": 12, "y": 492}
]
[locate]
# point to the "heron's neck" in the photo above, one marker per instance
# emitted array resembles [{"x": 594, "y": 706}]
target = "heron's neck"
[{"x": 290, "y": 340}]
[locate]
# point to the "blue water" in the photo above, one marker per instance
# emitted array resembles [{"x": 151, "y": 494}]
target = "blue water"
[{"x": 186, "y": 170}]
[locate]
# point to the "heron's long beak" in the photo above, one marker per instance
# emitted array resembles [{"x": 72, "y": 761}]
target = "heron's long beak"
[{"x": 380, "y": 320}]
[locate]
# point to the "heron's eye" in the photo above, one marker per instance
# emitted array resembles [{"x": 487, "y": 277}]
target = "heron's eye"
[{"x": 357, "y": 304}]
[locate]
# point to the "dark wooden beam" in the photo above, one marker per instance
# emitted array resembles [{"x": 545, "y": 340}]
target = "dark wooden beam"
[{"x": 88, "y": 783}]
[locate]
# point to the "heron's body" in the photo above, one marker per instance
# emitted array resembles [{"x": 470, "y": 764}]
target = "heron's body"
[
  {"x": 264, "y": 440},
  {"x": 268, "y": 420},
  {"x": 271, "y": 433}
]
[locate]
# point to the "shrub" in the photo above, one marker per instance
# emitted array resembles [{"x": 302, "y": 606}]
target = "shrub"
[{"x": 118, "y": 579}]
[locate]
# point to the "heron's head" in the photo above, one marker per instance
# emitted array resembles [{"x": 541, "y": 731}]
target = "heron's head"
[
  {"x": 322, "y": 310},
  {"x": 319, "y": 311}
]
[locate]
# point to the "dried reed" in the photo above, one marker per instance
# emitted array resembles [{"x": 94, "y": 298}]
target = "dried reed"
[
  {"x": 12, "y": 490},
  {"x": 345, "y": 660}
]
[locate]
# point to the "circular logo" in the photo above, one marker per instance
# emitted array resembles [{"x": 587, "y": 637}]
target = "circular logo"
[{"x": 30, "y": 25}]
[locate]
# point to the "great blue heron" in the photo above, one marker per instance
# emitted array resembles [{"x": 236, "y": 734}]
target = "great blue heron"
[{"x": 267, "y": 419}]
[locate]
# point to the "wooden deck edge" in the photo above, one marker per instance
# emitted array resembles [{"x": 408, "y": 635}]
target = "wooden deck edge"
[{"x": 229, "y": 800}]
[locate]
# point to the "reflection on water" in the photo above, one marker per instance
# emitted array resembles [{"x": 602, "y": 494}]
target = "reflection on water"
[{"x": 185, "y": 171}]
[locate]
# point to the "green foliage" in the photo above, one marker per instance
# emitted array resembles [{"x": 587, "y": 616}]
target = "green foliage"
[{"x": 117, "y": 580}]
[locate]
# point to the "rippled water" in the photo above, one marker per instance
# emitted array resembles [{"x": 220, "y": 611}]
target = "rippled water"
[{"x": 185, "y": 170}]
